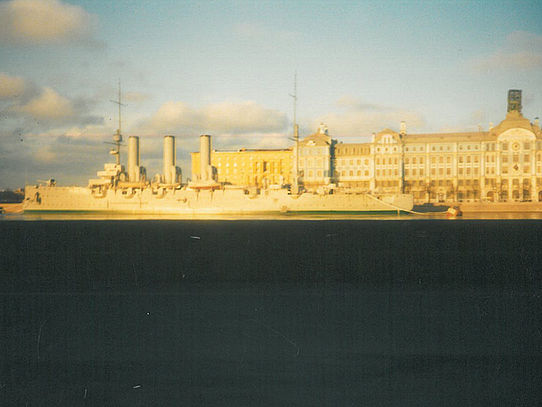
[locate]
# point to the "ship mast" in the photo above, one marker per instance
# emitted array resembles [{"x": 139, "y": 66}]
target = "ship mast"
[
  {"x": 295, "y": 187},
  {"x": 117, "y": 137}
]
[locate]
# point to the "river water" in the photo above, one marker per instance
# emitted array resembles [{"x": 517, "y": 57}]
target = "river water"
[
  {"x": 350, "y": 311},
  {"x": 288, "y": 216}
]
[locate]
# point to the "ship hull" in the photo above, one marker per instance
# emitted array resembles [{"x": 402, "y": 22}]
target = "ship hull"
[{"x": 192, "y": 202}]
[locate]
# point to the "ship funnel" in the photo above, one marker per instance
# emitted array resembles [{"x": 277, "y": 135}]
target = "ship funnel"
[
  {"x": 133, "y": 159},
  {"x": 169, "y": 172},
  {"x": 205, "y": 157}
]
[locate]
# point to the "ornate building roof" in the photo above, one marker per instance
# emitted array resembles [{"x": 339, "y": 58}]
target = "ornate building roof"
[
  {"x": 515, "y": 120},
  {"x": 320, "y": 138}
]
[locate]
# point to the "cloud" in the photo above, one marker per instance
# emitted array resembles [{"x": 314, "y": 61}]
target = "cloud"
[
  {"x": 220, "y": 118},
  {"x": 256, "y": 140},
  {"x": 135, "y": 97},
  {"x": 524, "y": 40},
  {"x": 358, "y": 119},
  {"x": 37, "y": 109},
  {"x": 43, "y": 21},
  {"x": 502, "y": 61},
  {"x": 11, "y": 86},
  {"x": 46, "y": 155},
  {"x": 48, "y": 105},
  {"x": 521, "y": 51},
  {"x": 350, "y": 102}
]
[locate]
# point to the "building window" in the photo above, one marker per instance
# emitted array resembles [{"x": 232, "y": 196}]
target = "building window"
[{"x": 504, "y": 146}]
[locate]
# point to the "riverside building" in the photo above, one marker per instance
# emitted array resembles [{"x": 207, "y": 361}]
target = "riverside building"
[
  {"x": 249, "y": 167},
  {"x": 503, "y": 164}
]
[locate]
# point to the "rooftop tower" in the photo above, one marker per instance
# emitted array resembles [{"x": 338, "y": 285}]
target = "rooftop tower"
[{"x": 514, "y": 100}]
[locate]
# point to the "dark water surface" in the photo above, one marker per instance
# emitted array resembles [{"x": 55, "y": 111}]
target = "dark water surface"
[{"x": 300, "y": 313}]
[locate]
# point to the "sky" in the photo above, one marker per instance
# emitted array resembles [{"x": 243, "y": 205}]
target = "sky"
[{"x": 227, "y": 68}]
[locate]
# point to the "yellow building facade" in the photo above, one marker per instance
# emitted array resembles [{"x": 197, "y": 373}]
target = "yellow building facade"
[
  {"x": 503, "y": 164},
  {"x": 249, "y": 167}
]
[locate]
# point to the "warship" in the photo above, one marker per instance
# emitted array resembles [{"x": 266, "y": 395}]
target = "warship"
[{"x": 127, "y": 190}]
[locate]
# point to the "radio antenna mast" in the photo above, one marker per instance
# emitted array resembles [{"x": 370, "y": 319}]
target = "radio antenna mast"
[
  {"x": 117, "y": 138},
  {"x": 295, "y": 188}
]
